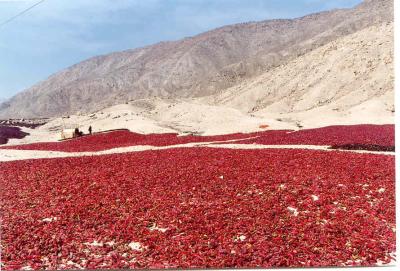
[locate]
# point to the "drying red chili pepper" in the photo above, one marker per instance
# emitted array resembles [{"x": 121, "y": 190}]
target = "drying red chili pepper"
[
  {"x": 382, "y": 136},
  {"x": 171, "y": 209}
]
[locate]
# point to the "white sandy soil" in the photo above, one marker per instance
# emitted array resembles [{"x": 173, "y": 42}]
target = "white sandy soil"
[{"x": 13, "y": 155}]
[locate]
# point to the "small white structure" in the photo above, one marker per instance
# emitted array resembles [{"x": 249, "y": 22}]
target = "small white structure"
[
  {"x": 67, "y": 133},
  {"x": 68, "y": 128}
]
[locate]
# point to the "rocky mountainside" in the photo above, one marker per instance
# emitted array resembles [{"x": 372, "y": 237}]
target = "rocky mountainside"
[
  {"x": 347, "y": 81},
  {"x": 341, "y": 74},
  {"x": 193, "y": 67}
]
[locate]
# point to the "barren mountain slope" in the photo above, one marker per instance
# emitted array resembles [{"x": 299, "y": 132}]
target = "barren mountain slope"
[
  {"x": 192, "y": 67},
  {"x": 348, "y": 81},
  {"x": 352, "y": 74}
]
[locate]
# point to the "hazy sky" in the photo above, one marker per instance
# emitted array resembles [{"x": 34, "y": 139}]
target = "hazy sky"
[{"x": 59, "y": 33}]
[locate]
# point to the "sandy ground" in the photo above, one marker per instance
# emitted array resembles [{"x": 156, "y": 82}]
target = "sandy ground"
[
  {"x": 13, "y": 155},
  {"x": 193, "y": 117},
  {"x": 157, "y": 116}
]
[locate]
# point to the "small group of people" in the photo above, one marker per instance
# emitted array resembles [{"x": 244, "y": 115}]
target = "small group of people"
[{"x": 78, "y": 133}]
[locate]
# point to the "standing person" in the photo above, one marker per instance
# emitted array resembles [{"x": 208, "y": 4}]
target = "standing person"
[
  {"x": 76, "y": 132},
  {"x": 90, "y": 130}
]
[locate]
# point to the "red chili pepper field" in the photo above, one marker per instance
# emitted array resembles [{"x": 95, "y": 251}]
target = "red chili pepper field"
[
  {"x": 199, "y": 207},
  {"x": 382, "y": 135}
]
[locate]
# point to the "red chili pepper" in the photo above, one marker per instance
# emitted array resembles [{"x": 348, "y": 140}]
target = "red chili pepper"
[{"x": 169, "y": 208}]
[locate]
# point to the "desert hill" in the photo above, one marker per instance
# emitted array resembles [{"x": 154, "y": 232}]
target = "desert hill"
[
  {"x": 351, "y": 74},
  {"x": 203, "y": 65},
  {"x": 347, "y": 81}
]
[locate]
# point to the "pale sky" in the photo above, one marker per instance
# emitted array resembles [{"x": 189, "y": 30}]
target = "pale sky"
[{"x": 60, "y": 33}]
